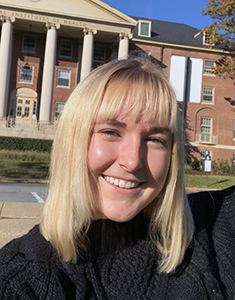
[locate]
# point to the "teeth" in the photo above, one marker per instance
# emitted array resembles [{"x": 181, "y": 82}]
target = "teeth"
[
  {"x": 128, "y": 185},
  {"x": 121, "y": 183},
  {"x": 133, "y": 184}
]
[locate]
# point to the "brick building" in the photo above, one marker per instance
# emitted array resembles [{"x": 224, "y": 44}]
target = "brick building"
[
  {"x": 188, "y": 60},
  {"x": 47, "y": 47}
]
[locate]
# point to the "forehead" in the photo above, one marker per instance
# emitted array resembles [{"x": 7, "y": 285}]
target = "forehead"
[
  {"x": 137, "y": 102},
  {"x": 126, "y": 119}
]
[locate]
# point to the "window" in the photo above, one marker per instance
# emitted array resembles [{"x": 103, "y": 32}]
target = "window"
[
  {"x": 209, "y": 66},
  {"x": 204, "y": 154},
  {"x": 19, "y": 110},
  {"x": 58, "y": 109},
  {"x": 29, "y": 43},
  {"x": 144, "y": 54},
  {"x": 144, "y": 28},
  {"x": 206, "y": 125},
  {"x": 26, "y": 112},
  {"x": 206, "y": 132},
  {"x": 12, "y": 107},
  {"x": 99, "y": 54},
  {"x": 34, "y": 108},
  {"x": 206, "y": 38},
  {"x": 207, "y": 95},
  {"x": 63, "y": 78},
  {"x": 66, "y": 48},
  {"x": 26, "y": 76}
]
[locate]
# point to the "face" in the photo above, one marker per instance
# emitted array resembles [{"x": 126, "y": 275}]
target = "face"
[{"x": 129, "y": 162}]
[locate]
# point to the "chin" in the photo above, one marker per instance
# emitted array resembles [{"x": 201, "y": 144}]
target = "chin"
[{"x": 120, "y": 218}]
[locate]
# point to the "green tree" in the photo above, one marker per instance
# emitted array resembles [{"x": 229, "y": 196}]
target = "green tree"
[{"x": 222, "y": 31}]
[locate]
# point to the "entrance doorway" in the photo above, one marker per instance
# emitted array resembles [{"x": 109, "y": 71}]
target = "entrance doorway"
[{"x": 23, "y": 106}]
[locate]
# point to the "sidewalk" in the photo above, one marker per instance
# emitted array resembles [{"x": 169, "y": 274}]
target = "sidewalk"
[
  {"x": 4, "y": 179},
  {"x": 16, "y": 219}
]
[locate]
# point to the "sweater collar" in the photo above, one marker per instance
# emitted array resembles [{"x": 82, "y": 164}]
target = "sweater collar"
[{"x": 106, "y": 236}]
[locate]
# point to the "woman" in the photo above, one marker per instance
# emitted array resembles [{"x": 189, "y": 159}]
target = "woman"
[{"x": 116, "y": 223}]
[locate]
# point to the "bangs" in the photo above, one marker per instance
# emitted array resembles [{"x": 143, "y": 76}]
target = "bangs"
[{"x": 141, "y": 96}]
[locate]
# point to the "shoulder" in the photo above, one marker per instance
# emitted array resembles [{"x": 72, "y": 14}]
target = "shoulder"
[
  {"x": 31, "y": 246},
  {"x": 25, "y": 266},
  {"x": 214, "y": 217},
  {"x": 210, "y": 207}
]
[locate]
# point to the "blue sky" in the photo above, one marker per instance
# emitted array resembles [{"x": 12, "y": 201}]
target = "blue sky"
[{"x": 179, "y": 11}]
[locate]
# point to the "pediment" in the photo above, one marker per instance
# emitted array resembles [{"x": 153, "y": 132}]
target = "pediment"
[
  {"x": 25, "y": 92},
  {"x": 79, "y": 9}
]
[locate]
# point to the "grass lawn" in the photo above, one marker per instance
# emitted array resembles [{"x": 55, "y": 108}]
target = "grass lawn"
[
  {"x": 210, "y": 182},
  {"x": 39, "y": 170},
  {"x": 23, "y": 169}
]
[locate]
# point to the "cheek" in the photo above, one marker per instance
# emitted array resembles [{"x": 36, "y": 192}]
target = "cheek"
[
  {"x": 95, "y": 154},
  {"x": 98, "y": 155},
  {"x": 159, "y": 165}
]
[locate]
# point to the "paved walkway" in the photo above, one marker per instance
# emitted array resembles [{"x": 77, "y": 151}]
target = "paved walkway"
[{"x": 16, "y": 219}]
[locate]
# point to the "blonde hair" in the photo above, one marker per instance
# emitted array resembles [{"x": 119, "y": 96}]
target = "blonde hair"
[{"x": 68, "y": 208}]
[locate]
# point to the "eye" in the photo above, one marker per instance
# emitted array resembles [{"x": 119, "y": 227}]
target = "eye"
[
  {"x": 156, "y": 140},
  {"x": 110, "y": 132}
]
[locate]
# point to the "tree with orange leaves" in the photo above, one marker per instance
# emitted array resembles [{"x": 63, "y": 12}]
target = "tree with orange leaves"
[{"x": 222, "y": 31}]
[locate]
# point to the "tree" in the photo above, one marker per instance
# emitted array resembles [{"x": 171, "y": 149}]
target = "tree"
[{"x": 222, "y": 32}]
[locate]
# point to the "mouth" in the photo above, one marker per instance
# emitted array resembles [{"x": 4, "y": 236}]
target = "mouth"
[{"x": 122, "y": 183}]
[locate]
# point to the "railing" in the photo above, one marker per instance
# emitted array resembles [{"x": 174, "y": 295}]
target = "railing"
[
  {"x": 21, "y": 124},
  {"x": 206, "y": 139},
  {"x": 47, "y": 126},
  {"x": 3, "y": 122}
]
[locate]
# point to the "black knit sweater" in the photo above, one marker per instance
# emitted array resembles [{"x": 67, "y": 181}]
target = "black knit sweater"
[{"x": 121, "y": 261}]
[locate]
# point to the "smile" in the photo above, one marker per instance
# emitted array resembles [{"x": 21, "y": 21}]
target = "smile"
[{"x": 122, "y": 183}]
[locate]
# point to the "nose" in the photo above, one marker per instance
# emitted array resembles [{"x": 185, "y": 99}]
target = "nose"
[{"x": 131, "y": 155}]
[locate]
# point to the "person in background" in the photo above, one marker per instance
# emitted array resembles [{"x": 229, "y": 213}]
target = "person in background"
[{"x": 117, "y": 223}]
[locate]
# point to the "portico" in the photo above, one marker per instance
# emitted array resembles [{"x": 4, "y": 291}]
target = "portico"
[{"x": 61, "y": 41}]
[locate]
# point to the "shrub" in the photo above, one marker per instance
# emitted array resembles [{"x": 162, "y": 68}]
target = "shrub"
[
  {"x": 221, "y": 166},
  {"x": 25, "y": 144},
  {"x": 195, "y": 164},
  {"x": 30, "y": 156},
  {"x": 215, "y": 166}
]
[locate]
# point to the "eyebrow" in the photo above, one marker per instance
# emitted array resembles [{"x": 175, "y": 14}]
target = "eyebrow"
[
  {"x": 155, "y": 129},
  {"x": 114, "y": 122}
]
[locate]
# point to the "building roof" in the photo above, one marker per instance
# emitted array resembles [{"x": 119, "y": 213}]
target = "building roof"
[
  {"x": 173, "y": 33},
  {"x": 170, "y": 32}
]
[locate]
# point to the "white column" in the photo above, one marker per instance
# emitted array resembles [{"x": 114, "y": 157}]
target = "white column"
[
  {"x": 5, "y": 64},
  {"x": 79, "y": 61},
  {"x": 48, "y": 75},
  {"x": 87, "y": 53},
  {"x": 123, "y": 46}
]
